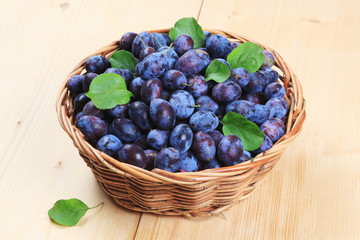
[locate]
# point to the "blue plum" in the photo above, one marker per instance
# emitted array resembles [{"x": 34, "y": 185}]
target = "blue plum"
[
  {"x": 216, "y": 136},
  {"x": 257, "y": 83},
  {"x": 226, "y": 92},
  {"x": 242, "y": 107},
  {"x": 269, "y": 59},
  {"x": 150, "y": 90},
  {"x": 79, "y": 102},
  {"x": 183, "y": 43},
  {"x": 150, "y": 157},
  {"x": 124, "y": 129},
  {"x": 278, "y": 107},
  {"x": 229, "y": 150},
  {"x": 270, "y": 74},
  {"x": 135, "y": 86},
  {"x": 91, "y": 109},
  {"x": 274, "y": 90},
  {"x": 197, "y": 86},
  {"x": 142, "y": 40},
  {"x": 126, "y": 41},
  {"x": 158, "y": 139},
  {"x": 218, "y": 46},
  {"x": 260, "y": 115},
  {"x": 97, "y": 64},
  {"x": 159, "y": 40},
  {"x": 273, "y": 128},
  {"x": 193, "y": 62},
  {"x": 139, "y": 114},
  {"x": 203, "y": 146},
  {"x": 174, "y": 80},
  {"x": 92, "y": 127},
  {"x": 119, "y": 111},
  {"x": 162, "y": 114},
  {"x": 75, "y": 84},
  {"x": 145, "y": 52},
  {"x": 171, "y": 56},
  {"x": 153, "y": 66},
  {"x": 240, "y": 76},
  {"x": 205, "y": 103},
  {"x": 132, "y": 154},
  {"x": 109, "y": 144},
  {"x": 167, "y": 159},
  {"x": 182, "y": 103},
  {"x": 204, "y": 121},
  {"x": 181, "y": 138},
  {"x": 188, "y": 162}
]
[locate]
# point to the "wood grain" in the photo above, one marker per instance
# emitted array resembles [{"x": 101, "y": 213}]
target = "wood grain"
[{"x": 312, "y": 193}]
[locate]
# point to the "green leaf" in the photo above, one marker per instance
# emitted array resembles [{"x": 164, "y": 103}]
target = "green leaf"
[
  {"x": 190, "y": 27},
  {"x": 249, "y": 133},
  {"x": 68, "y": 212},
  {"x": 123, "y": 60},
  {"x": 217, "y": 71},
  {"x": 247, "y": 55},
  {"x": 108, "y": 90}
]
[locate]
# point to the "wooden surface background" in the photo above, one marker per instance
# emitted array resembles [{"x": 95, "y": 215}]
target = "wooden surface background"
[{"x": 312, "y": 193}]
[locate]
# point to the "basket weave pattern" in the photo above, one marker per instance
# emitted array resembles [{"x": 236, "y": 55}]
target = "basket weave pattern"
[{"x": 202, "y": 193}]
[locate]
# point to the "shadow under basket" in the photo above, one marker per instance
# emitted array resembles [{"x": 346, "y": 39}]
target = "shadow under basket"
[{"x": 202, "y": 193}]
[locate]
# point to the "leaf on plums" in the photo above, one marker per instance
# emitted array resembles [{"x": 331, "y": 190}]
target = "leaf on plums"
[
  {"x": 249, "y": 133},
  {"x": 247, "y": 55},
  {"x": 108, "y": 90},
  {"x": 217, "y": 71},
  {"x": 123, "y": 60},
  {"x": 190, "y": 27}
]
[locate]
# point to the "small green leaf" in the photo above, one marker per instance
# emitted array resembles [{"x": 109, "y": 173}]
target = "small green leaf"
[
  {"x": 68, "y": 212},
  {"x": 249, "y": 133},
  {"x": 124, "y": 60},
  {"x": 108, "y": 90},
  {"x": 217, "y": 71},
  {"x": 190, "y": 27},
  {"x": 247, "y": 55}
]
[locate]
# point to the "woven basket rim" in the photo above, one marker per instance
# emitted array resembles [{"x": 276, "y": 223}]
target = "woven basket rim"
[{"x": 294, "y": 124}]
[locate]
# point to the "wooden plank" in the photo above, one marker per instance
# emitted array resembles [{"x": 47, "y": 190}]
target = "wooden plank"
[
  {"x": 312, "y": 193},
  {"x": 40, "y": 44}
]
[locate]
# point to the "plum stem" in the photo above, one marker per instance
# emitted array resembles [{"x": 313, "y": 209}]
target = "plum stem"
[
  {"x": 195, "y": 106},
  {"x": 157, "y": 41},
  {"x": 169, "y": 48},
  {"x": 142, "y": 40}
]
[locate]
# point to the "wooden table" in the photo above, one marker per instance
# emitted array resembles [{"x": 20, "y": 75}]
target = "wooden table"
[{"x": 312, "y": 193}]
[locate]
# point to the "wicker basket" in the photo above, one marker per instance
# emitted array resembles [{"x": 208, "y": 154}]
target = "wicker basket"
[{"x": 202, "y": 193}]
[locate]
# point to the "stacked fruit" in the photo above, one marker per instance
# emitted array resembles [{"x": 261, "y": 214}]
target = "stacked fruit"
[{"x": 180, "y": 102}]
